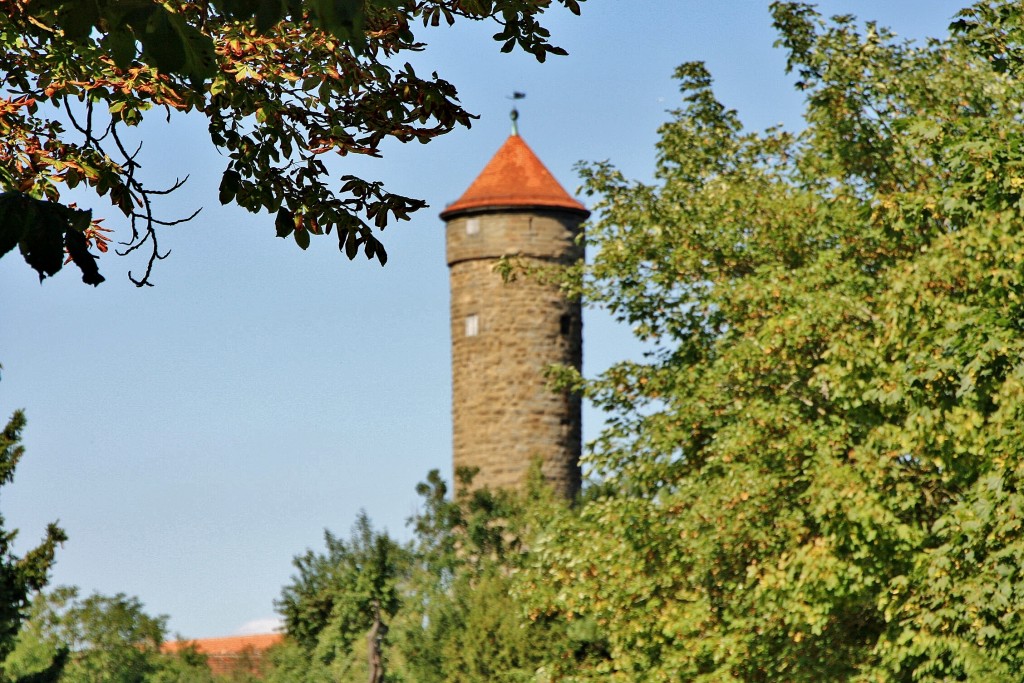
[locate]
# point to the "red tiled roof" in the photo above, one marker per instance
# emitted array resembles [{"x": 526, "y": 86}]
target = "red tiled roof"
[
  {"x": 514, "y": 177},
  {"x": 226, "y": 656},
  {"x": 227, "y": 646}
]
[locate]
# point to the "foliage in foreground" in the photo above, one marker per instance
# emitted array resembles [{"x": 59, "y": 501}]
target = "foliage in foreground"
[
  {"x": 279, "y": 82},
  {"x": 817, "y": 473}
]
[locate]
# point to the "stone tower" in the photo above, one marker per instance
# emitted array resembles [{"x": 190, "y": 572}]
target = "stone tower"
[{"x": 504, "y": 334}]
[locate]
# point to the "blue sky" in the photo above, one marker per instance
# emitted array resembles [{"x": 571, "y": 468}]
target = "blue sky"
[{"x": 193, "y": 437}]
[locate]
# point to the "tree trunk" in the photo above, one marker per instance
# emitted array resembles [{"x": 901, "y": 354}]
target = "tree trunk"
[{"x": 373, "y": 644}]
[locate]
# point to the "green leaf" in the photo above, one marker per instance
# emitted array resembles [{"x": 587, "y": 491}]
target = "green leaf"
[
  {"x": 268, "y": 14},
  {"x": 342, "y": 18},
  {"x": 78, "y": 19},
  {"x": 175, "y": 46},
  {"x": 120, "y": 43},
  {"x": 162, "y": 44}
]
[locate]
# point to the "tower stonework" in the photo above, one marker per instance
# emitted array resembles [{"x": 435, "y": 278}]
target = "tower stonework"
[{"x": 505, "y": 334}]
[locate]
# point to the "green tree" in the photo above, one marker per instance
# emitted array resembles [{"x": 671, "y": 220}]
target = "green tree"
[
  {"x": 815, "y": 474},
  {"x": 288, "y": 662},
  {"x": 340, "y": 603},
  {"x": 451, "y": 609},
  {"x": 19, "y": 576},
  {"x": 98, "y": 639},
  {"x": 280, "y": 83},
  {"x": 188, "y": 665},
  {"x": 460, "y": 622},
  {"x": 111, "y": 639}
]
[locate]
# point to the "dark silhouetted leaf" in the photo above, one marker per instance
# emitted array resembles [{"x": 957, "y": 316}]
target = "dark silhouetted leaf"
[
  {"x": 42, "y": 245},
  {"x": 302, "y": 237},
  {"x": 285, "y": 223},
  {"x": 78, "y": 250},
  {"x": 13, "y": 220},
  {"x": 229, "y": 185}
]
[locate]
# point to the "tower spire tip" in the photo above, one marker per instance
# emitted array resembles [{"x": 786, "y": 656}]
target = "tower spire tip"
[{"x": 514, "y": 114}]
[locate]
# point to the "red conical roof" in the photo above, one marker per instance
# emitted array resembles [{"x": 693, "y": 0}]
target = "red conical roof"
[{"x": 514, "y": 178}]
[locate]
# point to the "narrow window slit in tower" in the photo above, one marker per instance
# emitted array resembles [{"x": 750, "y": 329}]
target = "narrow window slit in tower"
[
  {"x": 472, "y": 325},
  {"x": 472, "y": 226},
  {"x": 565, "y": 322}
]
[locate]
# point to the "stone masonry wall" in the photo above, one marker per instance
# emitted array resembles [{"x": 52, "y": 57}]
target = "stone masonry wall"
[{"x": 504, "y": 414}]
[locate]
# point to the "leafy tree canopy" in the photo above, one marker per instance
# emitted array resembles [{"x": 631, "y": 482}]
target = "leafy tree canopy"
[
  {"x": 280, "y": 82},
  {"x": 460, "y": 621},
  {"x": 818, "y": 471},
  {"x": 19, "y": 576},
  {"x": 447, "y": 601},
  {"x": 337, "y": 597},
  {"x": 98, "y": 639}
]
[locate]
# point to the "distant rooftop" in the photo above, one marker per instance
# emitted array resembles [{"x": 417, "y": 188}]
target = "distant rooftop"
[
  {"x": 228, "y": 645},
  {"x": 230, "y": 654},
  {"x": 514, "y": 178}
]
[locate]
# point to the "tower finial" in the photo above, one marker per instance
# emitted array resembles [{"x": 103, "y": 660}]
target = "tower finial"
[{"x": 514, "y": 115}]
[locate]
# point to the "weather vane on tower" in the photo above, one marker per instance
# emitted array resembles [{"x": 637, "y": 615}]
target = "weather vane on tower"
[{"x": 514, "y": 115}]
